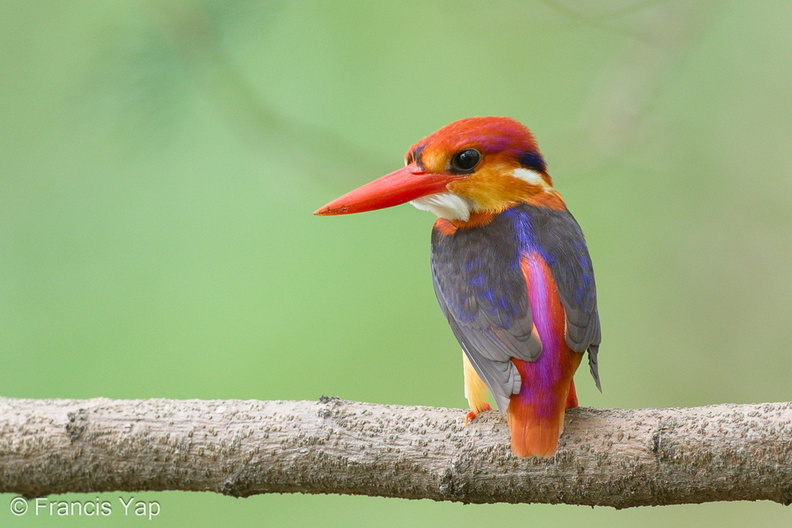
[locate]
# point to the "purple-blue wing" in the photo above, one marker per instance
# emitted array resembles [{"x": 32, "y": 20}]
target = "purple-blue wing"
[{"x": 482, "y": 292}]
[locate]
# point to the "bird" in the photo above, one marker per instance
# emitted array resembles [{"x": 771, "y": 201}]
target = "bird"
[{"x": 510, "y": 266}]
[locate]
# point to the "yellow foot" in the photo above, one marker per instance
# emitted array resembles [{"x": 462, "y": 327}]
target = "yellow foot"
[{"x": 472, "y": 414}]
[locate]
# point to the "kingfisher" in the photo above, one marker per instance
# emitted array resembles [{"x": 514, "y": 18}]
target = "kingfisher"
[{"x": 510, "y": 267}]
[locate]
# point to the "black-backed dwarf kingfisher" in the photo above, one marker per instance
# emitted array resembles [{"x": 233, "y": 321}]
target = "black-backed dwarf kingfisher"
[{"x": 510, "y": 266}]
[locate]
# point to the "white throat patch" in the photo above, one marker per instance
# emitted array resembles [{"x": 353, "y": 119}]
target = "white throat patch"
[{"x": 445, "y": 205}]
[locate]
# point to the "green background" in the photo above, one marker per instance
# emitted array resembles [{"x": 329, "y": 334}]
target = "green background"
[{"x": 159, "y": 163}]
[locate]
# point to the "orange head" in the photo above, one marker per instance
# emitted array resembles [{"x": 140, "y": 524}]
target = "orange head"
[{"x": 472, "y": 166}]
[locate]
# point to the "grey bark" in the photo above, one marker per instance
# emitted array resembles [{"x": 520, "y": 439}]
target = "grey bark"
[{"x": 607, "y": 457}]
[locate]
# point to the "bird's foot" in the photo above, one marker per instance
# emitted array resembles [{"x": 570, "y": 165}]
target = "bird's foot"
[{"x": 472, "y": 414}]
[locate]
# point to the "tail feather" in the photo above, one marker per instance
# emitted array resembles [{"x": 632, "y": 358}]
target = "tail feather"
[
  {"x": 572, "y": 400},
  {"x": 537, "y": 423},
  {"x": 532, "y": 434},
  {"x": 536, "y": 413}
]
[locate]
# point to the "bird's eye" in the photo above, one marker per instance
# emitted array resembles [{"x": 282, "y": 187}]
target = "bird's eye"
[{"x": 465, "y": 160}]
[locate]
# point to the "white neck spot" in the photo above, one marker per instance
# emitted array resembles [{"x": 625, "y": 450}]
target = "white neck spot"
[{"x": 532, "y": 177}]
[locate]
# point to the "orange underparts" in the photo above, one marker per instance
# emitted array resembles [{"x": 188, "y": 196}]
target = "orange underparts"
[
  {"x": 476, "y": 219},
  {"x": 449, "y": 227},
  {"x": 550, "y": 200},
  {"x": 536, "y": 413}
]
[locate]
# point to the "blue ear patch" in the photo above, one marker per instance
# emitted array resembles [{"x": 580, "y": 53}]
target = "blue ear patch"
[{"x": 531, "y": 159}]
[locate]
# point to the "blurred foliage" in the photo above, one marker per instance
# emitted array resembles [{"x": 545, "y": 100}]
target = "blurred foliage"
[{"x": 159, "y": 163}]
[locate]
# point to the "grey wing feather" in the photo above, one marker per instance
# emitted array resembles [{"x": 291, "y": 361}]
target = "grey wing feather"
[
  {"x": 492, "y": 360},
  {"x": 574, "y": 276}
]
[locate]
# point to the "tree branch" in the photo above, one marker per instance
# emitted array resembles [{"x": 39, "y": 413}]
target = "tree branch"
[{"x": 607, "y": 457}]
